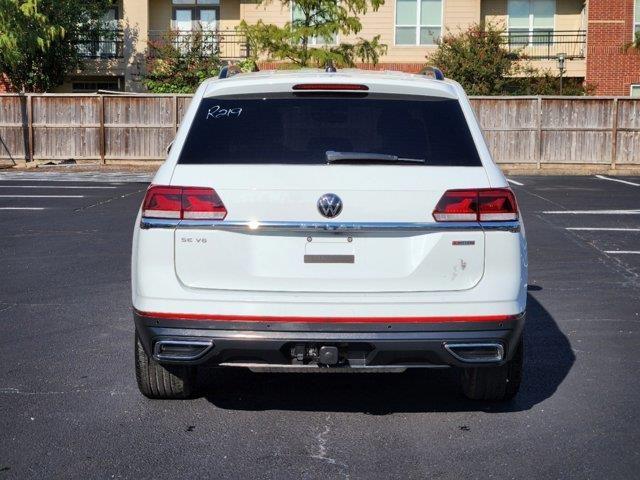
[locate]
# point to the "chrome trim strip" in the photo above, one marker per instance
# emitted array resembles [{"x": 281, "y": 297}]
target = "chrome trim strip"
[
  {"x": 454, "y": 337},
  {"x": 249, "y": 226},
  {"x": 499, "y": 356},
  {"x": 513, "y": 226},
  {"x": 146, "y": 223}
]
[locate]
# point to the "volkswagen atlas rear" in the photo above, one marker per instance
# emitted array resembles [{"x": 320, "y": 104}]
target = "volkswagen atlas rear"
[{"x": 314, "y": 221}]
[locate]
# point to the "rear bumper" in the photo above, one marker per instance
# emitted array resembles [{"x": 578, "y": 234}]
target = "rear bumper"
[{"x": 361, "y": 345}]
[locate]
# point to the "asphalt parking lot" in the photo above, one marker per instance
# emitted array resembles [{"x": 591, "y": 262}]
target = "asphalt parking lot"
[{"x": 69, "y": 406}]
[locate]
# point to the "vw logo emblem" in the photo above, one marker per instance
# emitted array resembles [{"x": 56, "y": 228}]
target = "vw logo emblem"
[{"x": 329, "y": 205}]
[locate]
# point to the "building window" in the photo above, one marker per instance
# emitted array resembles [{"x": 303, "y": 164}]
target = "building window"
[
  {"x": 92, "y": 86},
  {"x": 531, "y": 21},
  {"x": 195, "y": 22},
  {"x": 196, "y": 2},
  {"x": 636, "y": 19},
  {"x": 418, "y": 22},
  {"x": 105, "y": 42},
  {"x": 635, "y": 91},
  {"x": 189, "y": 15},
  {"x": 297, "y": 16}
]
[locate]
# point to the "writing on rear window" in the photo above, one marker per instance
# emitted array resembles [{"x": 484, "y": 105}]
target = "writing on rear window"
[
  {"x": 218, "y": 112},
  {"x": 301, "y": 129}
]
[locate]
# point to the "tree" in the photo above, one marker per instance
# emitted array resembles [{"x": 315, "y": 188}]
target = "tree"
[
  {"x": 478, "y": 59},
  {"x": 38, "y": 39},
  {"x": 181, "y": 62},
  {"x": 308, "y": 39}
]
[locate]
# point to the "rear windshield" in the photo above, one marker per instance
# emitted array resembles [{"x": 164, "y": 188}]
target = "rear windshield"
[{"x": 300, "y": 129}]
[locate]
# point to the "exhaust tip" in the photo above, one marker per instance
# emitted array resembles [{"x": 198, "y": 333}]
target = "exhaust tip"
[
  {"x": 476, "y": 352},
  {"x": 181, "y": 350}
]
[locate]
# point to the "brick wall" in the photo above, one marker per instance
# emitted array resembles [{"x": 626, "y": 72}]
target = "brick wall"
[{"x": 612, "y": 69}]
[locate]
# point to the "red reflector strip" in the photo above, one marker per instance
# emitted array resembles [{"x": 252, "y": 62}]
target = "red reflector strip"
[
  {"x": 253, "y": 318},
  {"x": 330, "y": 86}
]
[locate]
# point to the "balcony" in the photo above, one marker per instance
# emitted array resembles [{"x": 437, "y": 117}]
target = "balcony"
[
  {"x": 227, "y": 44},
  {"x": 105, "y": 44},
  {"x": 546, "y": 44}
]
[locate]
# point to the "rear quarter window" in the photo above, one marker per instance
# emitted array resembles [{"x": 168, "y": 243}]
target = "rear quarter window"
[{"x": 301, "y": 128}]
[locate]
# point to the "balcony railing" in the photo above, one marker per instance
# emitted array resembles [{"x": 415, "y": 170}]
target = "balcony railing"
[
  {"x": 106, "y": 43},
  {"x": 227, "y": 44},
  {"x": 547, "y": 44}
]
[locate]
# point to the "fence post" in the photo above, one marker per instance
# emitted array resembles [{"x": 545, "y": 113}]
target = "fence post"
[
  {"x": 614, "y": 134},
  {"x": 539, "y": 135},
  {"x": 30, "y": 124},
  {"x": 102, "y": 131},
  {"x": 175, "y": 113}
]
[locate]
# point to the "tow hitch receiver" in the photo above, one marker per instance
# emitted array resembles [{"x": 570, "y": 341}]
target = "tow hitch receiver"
[
  {"x": 321, "y": 354},
  {"x": 328, "y": 355}
]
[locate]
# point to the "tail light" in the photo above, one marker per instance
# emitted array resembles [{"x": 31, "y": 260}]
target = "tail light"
[
  {"x": 201, "y": 203},
  {"x": 457, "y": 206},
  {"x": 481, "y": 205},
  {"x": 497, "y": 204},
  {"x": 189, "y": 203}
]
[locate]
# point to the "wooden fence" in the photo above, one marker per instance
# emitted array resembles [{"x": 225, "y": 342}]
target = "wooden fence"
[
  {"x": 526, "y": 131},
  {"x": 561, "y": 130},
  {"x": 88, "y": 127}
]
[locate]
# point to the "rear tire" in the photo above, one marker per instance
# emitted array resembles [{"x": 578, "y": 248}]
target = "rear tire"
[
  {"x": 494, "y": 383},
  {"x": 162, "y": 382}
]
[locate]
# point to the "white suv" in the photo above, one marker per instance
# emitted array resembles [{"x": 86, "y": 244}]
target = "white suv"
[{"x": 329, "y": 221}]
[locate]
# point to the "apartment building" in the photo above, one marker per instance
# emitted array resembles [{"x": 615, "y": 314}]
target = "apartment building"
[
  {"x": 611, "y": 65},
  {"x": 545, "y": 29}
]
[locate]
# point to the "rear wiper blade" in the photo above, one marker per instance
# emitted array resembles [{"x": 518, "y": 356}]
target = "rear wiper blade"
[{"x": 335, "y": 157}]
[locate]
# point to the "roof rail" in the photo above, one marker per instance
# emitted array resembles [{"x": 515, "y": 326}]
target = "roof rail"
[
  {"x": 229, "y": 71},
  {"x": 432, "y": 72}
]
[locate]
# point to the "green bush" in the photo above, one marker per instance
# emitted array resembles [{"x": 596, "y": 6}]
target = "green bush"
[
  {"x": 179, "y": 64},
  {"x": 478, "y": 59}
]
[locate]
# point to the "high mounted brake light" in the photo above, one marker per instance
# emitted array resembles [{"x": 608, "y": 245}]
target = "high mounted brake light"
[
  {"x": 330, "y": 86},
  {"x": 481, "y": 205},
  {"x": 189, "y": 203}
]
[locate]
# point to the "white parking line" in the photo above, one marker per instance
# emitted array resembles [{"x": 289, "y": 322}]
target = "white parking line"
[
  {"x": 602, "y": 177},
  {"x": 104, "y": 177},
  {"x": 514, "y": 182},
  {"x": 599, "y": 229},
  {"x": 41, "y": 196},
  {"x": 21, "y": 208},
  {"x": 52, "y": 186},
  {"x": 592, "y": 212},
  {"x": 630, "y": 252}
]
